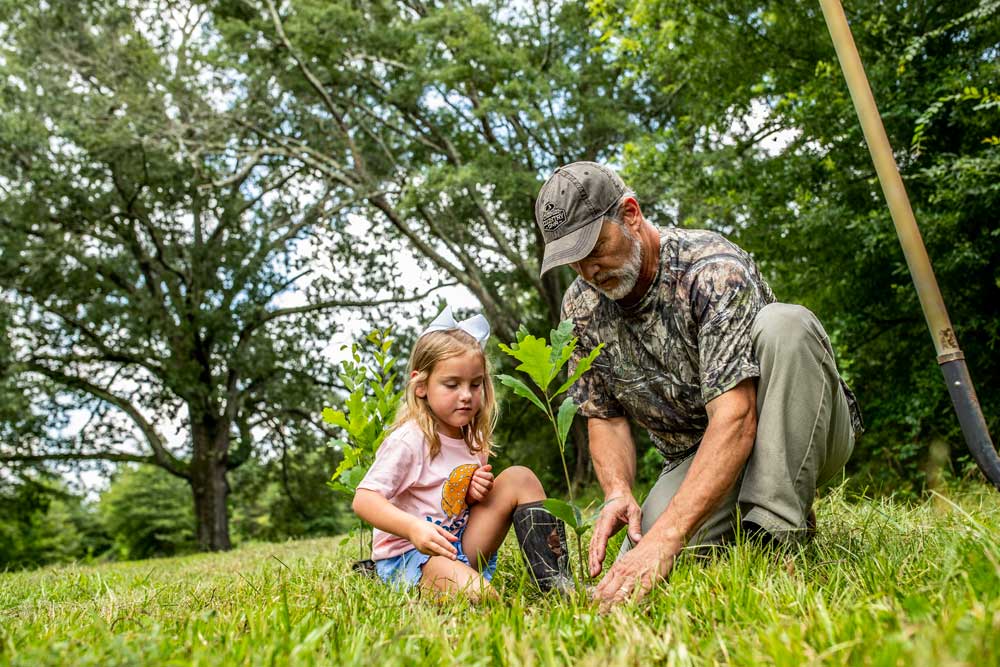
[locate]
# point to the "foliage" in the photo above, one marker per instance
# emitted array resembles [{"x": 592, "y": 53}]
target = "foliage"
[
  {"x": 437, "y": 120},
  {"x": 761, "y": 142},
  {"x": 542, "y": 363},
  {"x": 885, "y": 583},
  {"x": 370, "y": 377},
  {"x": 150, "y": 283},
  {"x": 287, "y": 497},
  {"x": 148, "y": 513},
  {"x": 42, "y": 523}
]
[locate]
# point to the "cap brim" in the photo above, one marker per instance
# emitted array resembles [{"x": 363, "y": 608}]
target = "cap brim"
[{"x": 573, "y": 247}]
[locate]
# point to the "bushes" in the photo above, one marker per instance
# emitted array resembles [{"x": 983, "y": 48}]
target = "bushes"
[
  {"x": 148, "y": 513},
  {"x": 41, "y": 523}
]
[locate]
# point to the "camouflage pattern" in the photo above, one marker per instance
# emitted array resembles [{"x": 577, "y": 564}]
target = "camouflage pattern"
[
  {"x": 542, "y": 538},
  {"x": 684, "y": 344}
]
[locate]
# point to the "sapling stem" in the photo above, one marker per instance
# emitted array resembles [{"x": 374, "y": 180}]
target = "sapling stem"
[
  {"x": 569, "y": 484},
  {"x": 542, "y": 361}
]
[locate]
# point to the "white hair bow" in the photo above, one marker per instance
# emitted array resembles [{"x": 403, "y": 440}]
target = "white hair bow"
[{"x": 476, "y": 326}]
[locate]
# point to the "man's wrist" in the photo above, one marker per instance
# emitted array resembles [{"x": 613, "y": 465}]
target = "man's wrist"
[
  {"x": 620, "y": 490},
  {"x": 666, "y": 534}
]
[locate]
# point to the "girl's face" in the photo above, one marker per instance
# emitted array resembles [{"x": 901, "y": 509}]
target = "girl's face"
[{"x": 454, "y": 391}]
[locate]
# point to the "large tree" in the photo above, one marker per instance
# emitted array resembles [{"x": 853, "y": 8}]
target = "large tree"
[
  {"x": 443, "y": 118},
  {"x": 150, "y": 282}
]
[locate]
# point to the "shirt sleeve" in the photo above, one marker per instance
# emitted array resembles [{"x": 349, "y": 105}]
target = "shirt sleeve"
[
  {"x": 591, "y": 391},
  {"x": 397, "y": 466},
  {"x": 725, "y": 299}
]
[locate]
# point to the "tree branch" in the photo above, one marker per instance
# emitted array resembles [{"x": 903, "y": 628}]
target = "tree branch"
[
  {"x": 161, "y": 456},
  {"x": 340, "y": 303},
  {"x": 118, "y": 457},
  {"x": 503, "y": 323}
]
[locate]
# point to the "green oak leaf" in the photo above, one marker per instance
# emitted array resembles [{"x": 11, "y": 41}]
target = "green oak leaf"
[
  {"x": 534, "y": 356},
  {"x": 570, "y": 514},
  {"x": 522, "y": 390},
  {"x": 582, "y": 367},
  {"x": 560, "y": 337},
  {"x": 335, "y": 417},
  {"x": 565, "y": 419}
]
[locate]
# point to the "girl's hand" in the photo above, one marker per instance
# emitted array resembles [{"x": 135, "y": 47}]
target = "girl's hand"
[
  {"x": 433, "y": 540},
  {"x": 482, "y": 482}
]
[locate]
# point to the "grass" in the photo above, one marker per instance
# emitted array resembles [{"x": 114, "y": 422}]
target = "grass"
[{"x": 883, "y": 584}]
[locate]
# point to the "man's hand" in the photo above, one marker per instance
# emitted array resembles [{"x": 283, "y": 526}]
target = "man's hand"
[
  {"x": 632, "y": 577},
  {"x": 433, "y": 540},
  {"x": 481, "y": 484},
  {"x": 619, "y": 511}
]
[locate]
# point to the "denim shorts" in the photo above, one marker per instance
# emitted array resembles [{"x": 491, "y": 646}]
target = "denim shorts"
[{"x": 404, "y": 571}]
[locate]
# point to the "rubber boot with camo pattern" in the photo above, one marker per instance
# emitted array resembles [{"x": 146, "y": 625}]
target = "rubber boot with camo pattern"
[{"x": 543, "y": 543}]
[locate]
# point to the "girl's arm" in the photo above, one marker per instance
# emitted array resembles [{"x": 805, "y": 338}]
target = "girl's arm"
[{"x": 427, "y": 537}]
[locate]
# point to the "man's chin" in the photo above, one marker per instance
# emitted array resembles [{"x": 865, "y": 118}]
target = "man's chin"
[{"x": 615, "y": 288}]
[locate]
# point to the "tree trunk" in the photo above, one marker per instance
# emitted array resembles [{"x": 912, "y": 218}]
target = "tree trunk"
[{"x": 209, "y": 486}]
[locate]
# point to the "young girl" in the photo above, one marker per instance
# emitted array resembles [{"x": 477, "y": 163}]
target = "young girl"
[{"x": 439, "y": 514}]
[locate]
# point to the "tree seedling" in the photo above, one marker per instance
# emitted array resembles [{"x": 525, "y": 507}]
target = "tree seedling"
[
  {"x": 367, "y": 414},
  {"x": 542, "y": 363}
]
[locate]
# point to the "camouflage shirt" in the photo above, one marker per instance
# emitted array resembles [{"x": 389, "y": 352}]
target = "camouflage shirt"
[{"x": 685, "y": 343}]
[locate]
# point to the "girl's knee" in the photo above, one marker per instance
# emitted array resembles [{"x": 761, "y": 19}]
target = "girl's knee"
[
  {"x": 450, "y": 577},
  {"x": 521, "y": 479}
]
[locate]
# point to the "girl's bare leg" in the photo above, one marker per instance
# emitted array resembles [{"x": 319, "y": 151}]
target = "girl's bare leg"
[
  {"x": 490, "y": 519},
  {"x": 444, "y": 575}
]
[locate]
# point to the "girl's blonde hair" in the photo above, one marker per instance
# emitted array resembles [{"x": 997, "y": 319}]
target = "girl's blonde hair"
[{"x": 429, "y": 350}]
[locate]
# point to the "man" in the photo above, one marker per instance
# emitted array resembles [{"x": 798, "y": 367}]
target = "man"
[{"x": 740, "y": 394}]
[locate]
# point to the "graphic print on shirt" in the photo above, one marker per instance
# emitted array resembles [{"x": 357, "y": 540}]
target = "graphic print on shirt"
[{"x": 453, "y": 491}]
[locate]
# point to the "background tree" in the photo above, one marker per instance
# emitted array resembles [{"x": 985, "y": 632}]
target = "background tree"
[
  {"x": 764, "y": 145},
  {"x": 442, "y": 119},
  {"x": 153, "y": 284},
  {"x": 41, "y": 523},
  {"x": 147, "y": 513}
]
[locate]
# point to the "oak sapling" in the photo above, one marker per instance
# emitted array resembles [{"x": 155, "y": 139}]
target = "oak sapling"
[
  {"x": 543, "y": 363},
  {"x": 369, "y": 375}
]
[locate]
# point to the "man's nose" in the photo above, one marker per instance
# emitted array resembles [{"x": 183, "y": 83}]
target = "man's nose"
[{"x": 588, "y": 268}]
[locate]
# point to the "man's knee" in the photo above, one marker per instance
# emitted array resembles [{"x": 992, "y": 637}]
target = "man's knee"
[{"x": 785, "y": 327}]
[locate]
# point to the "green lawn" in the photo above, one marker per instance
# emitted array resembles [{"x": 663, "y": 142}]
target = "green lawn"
[{"x": 883, "y": 584}]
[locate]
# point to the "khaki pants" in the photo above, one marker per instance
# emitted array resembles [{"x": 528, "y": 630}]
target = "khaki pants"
[{"x": 804, "y": 434}]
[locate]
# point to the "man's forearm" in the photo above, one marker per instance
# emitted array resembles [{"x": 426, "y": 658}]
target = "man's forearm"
[
  {"x": 613, "y": 454},
  {"x": 716, "y": 467}
]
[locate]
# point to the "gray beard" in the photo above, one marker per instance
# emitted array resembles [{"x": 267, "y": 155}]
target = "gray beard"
[{"x": 627, "y": 275}]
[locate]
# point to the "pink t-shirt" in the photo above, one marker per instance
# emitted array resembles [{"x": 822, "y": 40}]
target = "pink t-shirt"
[{"x": 432, "y": 489}]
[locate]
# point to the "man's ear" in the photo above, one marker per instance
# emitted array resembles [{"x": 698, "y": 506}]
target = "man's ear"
[{"x": 631, "y": 214}]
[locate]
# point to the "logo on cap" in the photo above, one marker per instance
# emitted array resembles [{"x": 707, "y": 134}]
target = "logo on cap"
[{"x": 553, "y": 217}]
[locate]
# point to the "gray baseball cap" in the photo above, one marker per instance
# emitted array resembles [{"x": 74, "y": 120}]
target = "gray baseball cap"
[{"x": 571, "y": 207}]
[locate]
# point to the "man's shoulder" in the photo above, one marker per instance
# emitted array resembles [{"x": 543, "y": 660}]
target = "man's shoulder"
[
  {"x": 690, "y": 245},
  {"x": 694, "y": 252}
]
